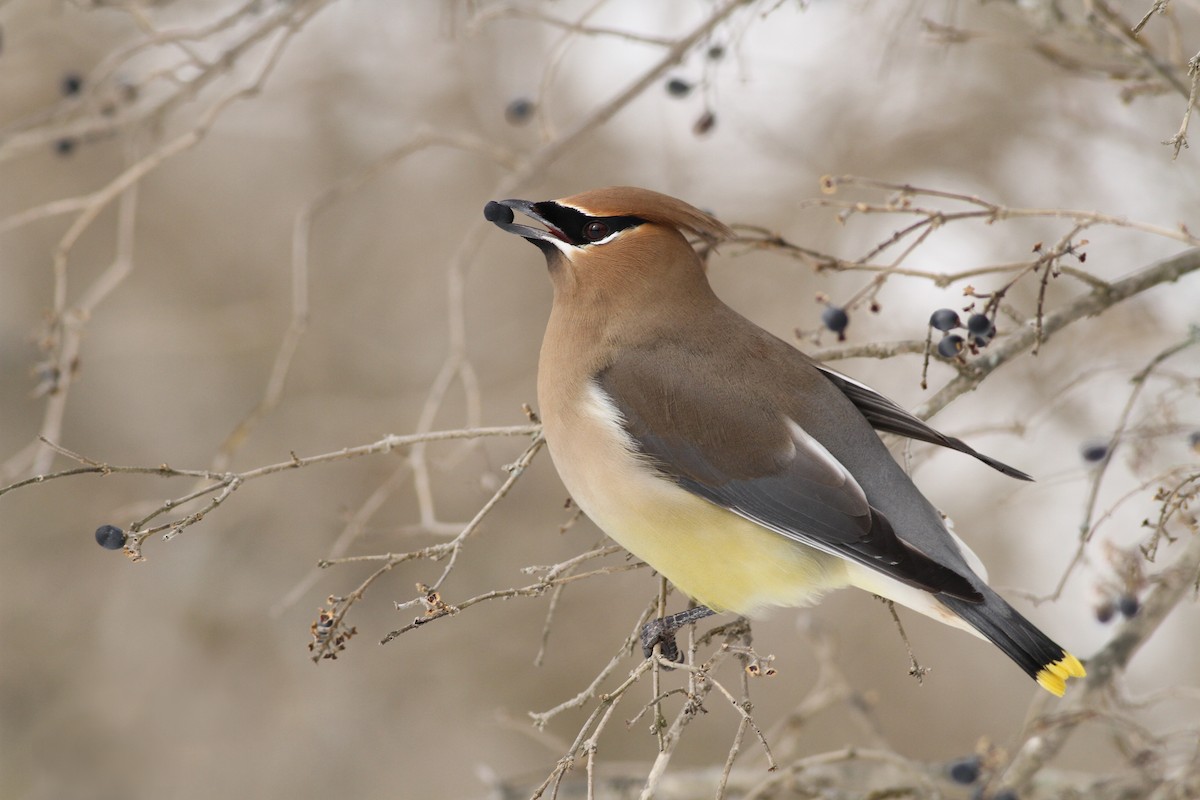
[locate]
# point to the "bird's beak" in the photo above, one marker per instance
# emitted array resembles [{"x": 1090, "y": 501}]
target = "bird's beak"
[{"x": 500, "y": 212}]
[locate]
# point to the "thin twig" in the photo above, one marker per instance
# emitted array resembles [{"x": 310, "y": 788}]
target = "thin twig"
[{"x": 1043, "y": 741}]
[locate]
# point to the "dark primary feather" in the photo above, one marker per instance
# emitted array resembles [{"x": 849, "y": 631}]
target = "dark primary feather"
[
  {"x": 1021, "y": 641},
  {"x": 733, "y": 447},
  {"x": 884, "y": 415}
]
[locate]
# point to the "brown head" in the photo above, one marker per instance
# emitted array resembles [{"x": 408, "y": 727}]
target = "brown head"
[{"x": 617, "y": 245}]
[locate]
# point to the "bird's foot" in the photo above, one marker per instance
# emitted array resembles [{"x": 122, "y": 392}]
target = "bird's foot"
[{"x": 662, "y": 631}]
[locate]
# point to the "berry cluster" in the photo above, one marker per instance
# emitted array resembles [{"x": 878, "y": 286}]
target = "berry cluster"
[
  {"x": 980, "y": 331},
  {"x": 520, "y": 110},
  {"x": 680, "y": 87},
  {"x": 70, "y": 86},
  {"x": 1127, "y": 604}
]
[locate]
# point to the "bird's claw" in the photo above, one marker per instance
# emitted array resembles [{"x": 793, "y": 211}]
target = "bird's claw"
[{"x": 660, "y": 632}]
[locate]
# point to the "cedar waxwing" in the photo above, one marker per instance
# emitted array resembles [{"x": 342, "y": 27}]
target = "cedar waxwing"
[{"x": 743, "y": 471}]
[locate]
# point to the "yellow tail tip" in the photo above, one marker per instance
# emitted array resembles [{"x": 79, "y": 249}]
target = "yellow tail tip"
[{"x": 1053, "y": 677}]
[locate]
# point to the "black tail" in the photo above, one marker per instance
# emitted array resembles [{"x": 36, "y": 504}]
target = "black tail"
[{"x": 1034, "y": 651}]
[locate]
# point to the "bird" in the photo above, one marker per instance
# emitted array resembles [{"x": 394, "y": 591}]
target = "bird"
[{"x": 743, "y": 471}]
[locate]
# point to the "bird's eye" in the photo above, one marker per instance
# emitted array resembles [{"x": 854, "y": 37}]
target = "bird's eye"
[{"x": 595, "y": 230}]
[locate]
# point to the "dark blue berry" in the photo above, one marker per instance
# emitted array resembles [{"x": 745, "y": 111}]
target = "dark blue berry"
[
  {"x": 979, "y": 324},
  {"x": 964, "y": 770},
  {"x": 64, "y": 147},
  {"x": 678, "y": 87},
  {"x": 716, "y": 52},
  {"x": 494, "y": 212},
  {"x": 1094, "y": 451},
  {"x": 1105, "y": 612},
  {"x": 836, "y": 320},
  {"x": 71, "y": 84},
  {"x": 1129, "y": 606},
  {"x": 950, "y": 346},
  {"x": 944, "y": 319},
  {"x": 519, "y": 111},
  {"x": 1194, "y": 440},
  {"x": 110, "y": 537}
]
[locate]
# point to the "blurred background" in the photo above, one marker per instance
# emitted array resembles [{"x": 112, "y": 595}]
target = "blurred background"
[{"x": 187, "y": 187}]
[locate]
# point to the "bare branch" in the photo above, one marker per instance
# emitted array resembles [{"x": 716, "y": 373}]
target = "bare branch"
[{"x": 1045, "y": 737}]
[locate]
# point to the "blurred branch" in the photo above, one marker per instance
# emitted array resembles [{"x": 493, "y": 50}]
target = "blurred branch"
[
  {"x": 1087, "y": 526},
  {"x": 1159, "y": 7},
  {"x": 111, "y": 107},
  {"x": 224, "y": 483},
  {"x": 1046, "y": 735},
  {"x": 1073, "y": 40},
  {"x": 1103, "y": 294},
  {"x": 541, "y": 719},
  {"x": 879, "y": 350},
  {"x": 66, "y": 324},
  {"x": 301, "y": 240},
  {"x": 1180, "y": 140},
  {"x": 322, "y": 647},
  {"x": 1106, "y": 20},
  {"x": 1167, "y": 270},
  {"x": 436, "y": 608},
  {"x": 1046, "y": 264},
  {"x": 700, "y": 682},
  {"x": 901, "y": 203},
  {"x": 498, "y": 11}
]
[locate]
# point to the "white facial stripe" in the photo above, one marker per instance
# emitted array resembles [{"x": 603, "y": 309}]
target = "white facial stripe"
[
  {"x": 610, "y": 237},
  {"x": 564, "y": 247}
]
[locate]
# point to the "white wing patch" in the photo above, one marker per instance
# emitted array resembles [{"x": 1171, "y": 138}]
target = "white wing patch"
[
  {"x": 847, "y": 379},
  {"x": 598, "y": 405},
  {"x": 805, "y": 443}
]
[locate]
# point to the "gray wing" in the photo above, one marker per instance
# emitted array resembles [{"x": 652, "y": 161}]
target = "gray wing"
[
  {"x": 722, "y": 443},
  {"x": 884, "y": 415}
]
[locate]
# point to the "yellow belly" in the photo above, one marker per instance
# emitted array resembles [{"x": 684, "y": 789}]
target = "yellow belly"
[
  {"x": 716, "y": 557},
  {"x": 719, "y": 559}
]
